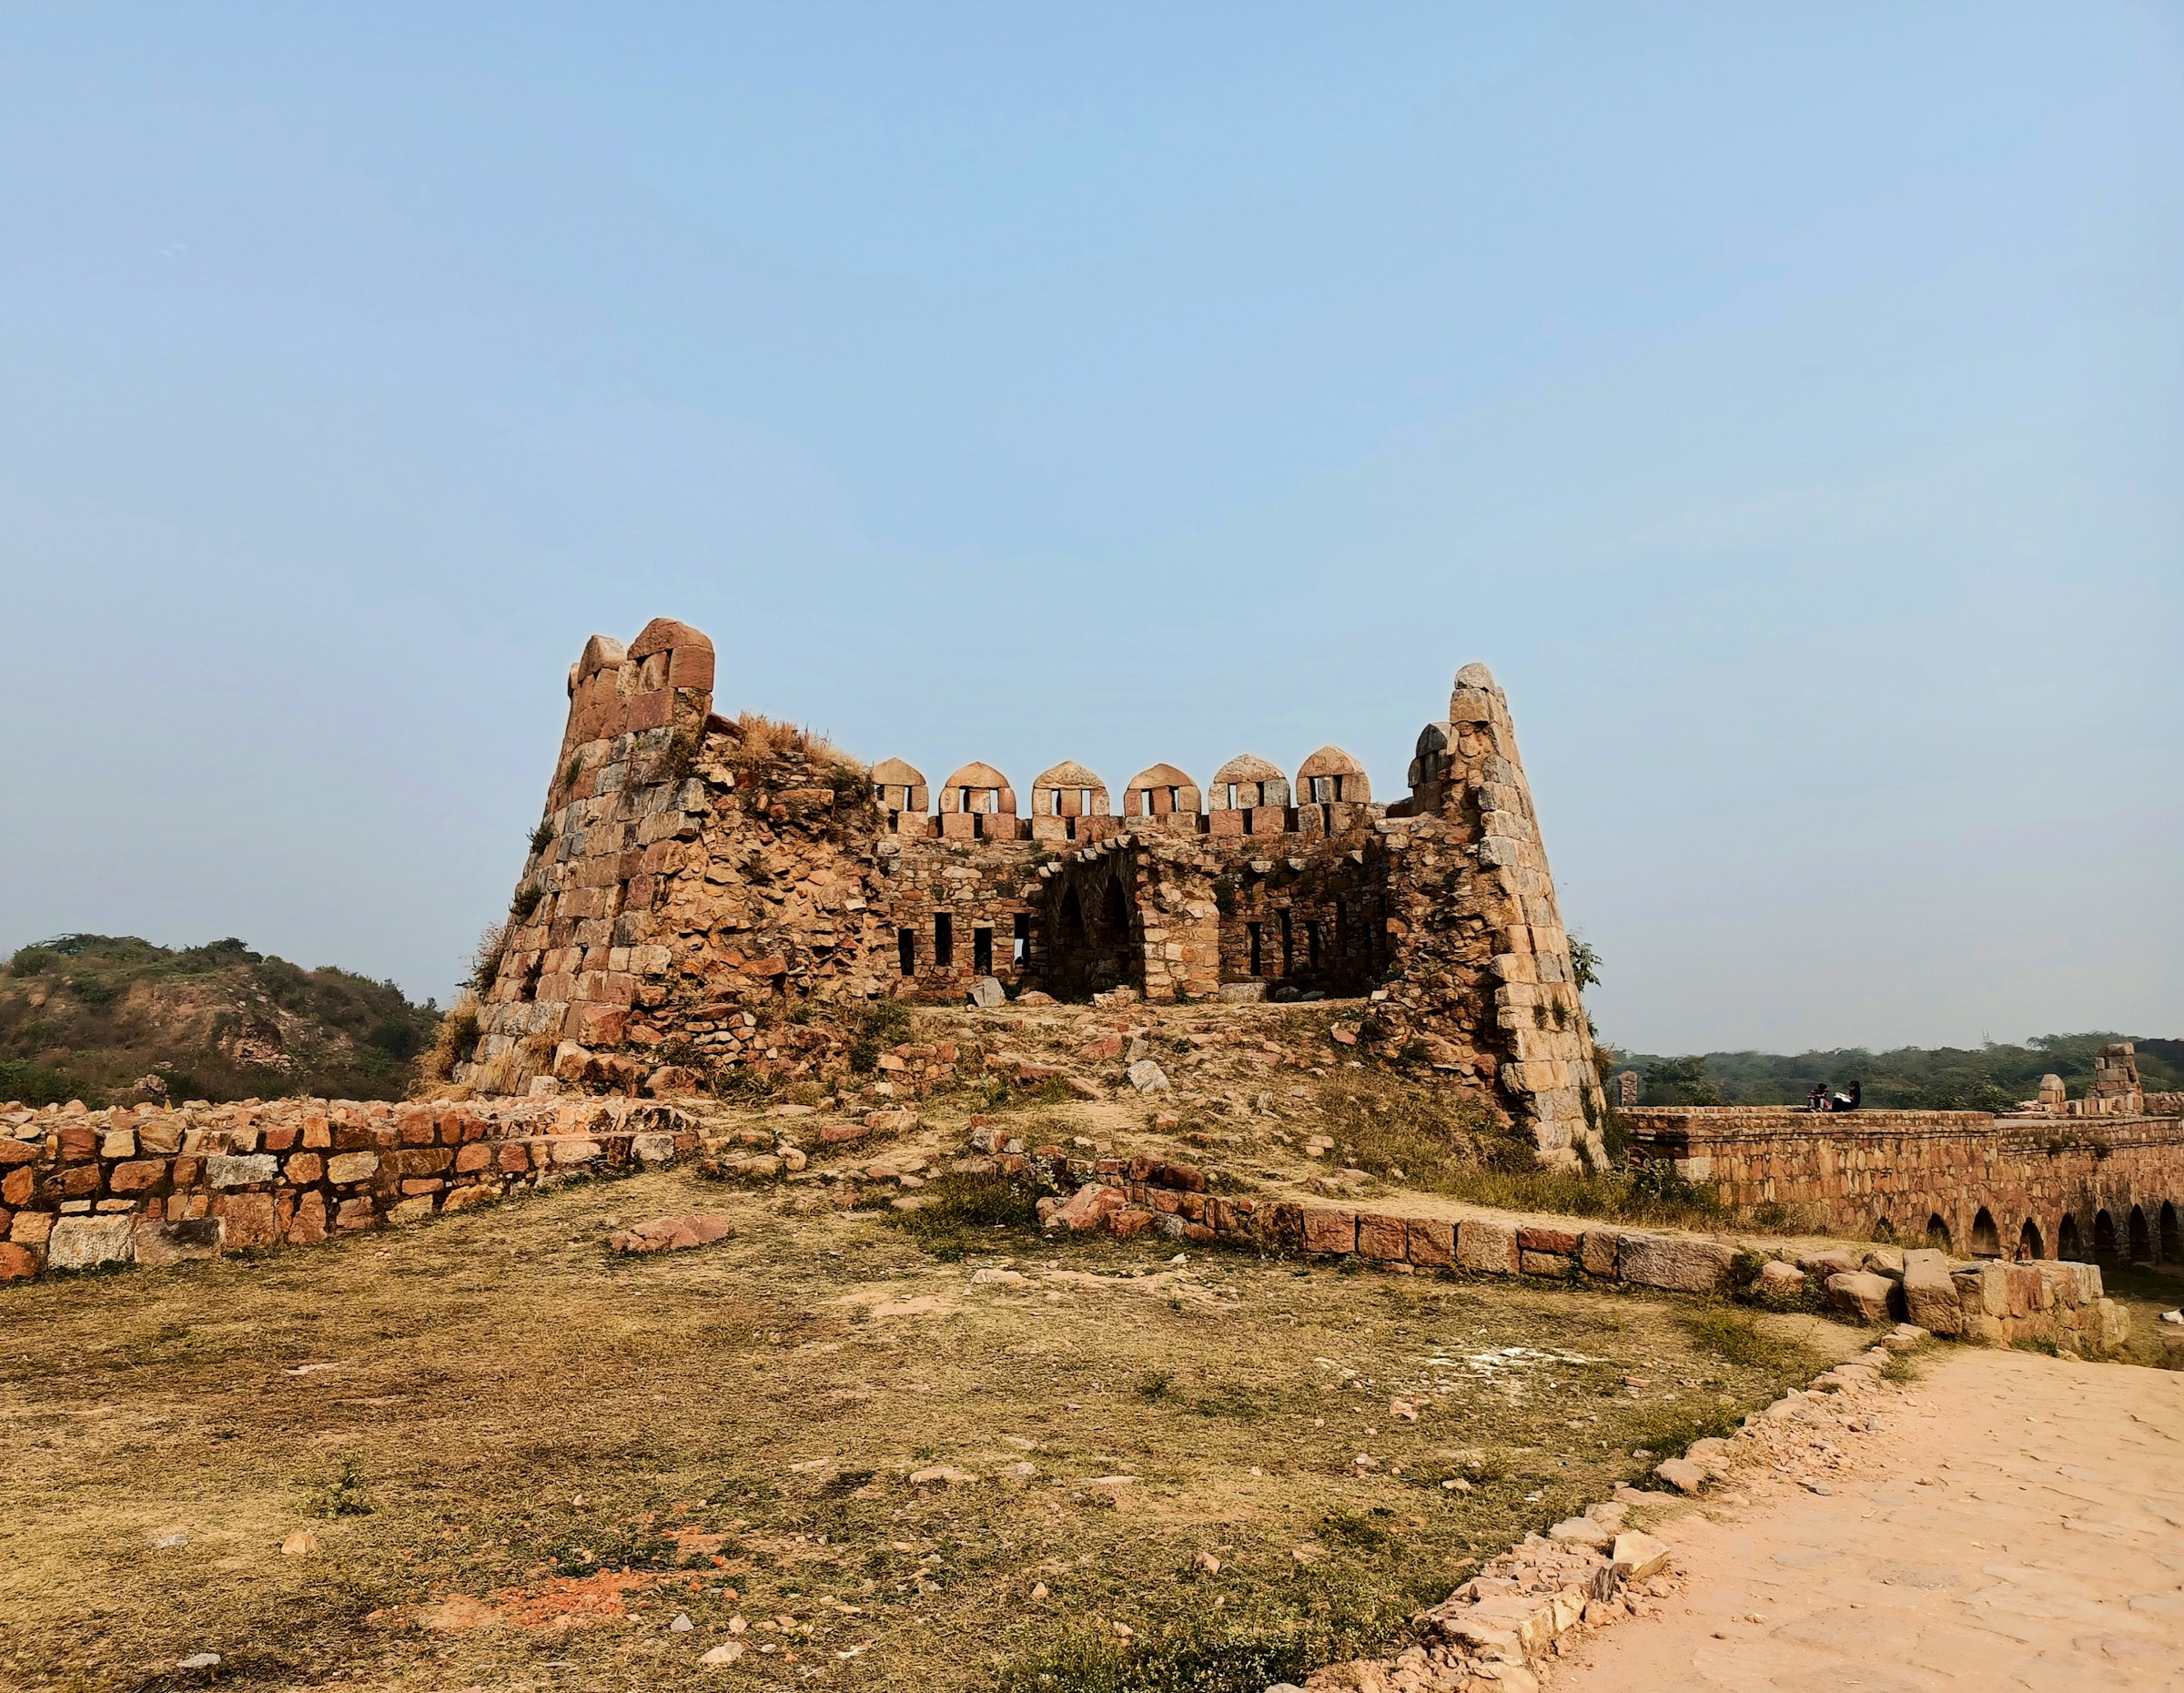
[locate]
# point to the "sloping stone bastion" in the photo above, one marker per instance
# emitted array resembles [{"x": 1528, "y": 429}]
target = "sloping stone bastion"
[{"x": 721, "y": 893}]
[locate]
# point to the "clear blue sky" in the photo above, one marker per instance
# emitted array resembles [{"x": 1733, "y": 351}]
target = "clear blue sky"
[{"x": 1786, "y": 402}]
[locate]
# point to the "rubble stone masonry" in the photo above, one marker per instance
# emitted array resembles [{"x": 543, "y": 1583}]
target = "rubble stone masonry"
[
  {"x": 2106, "y": 1188},
  {"x": 152, "y": 1184},
  {"x": 717, "y": 893}
]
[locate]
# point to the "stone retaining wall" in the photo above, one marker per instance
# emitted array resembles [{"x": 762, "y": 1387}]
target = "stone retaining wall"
[
  {"x": 1992, "y": 1303},
  {"x": 1980, "y": 1184},
  {"x": 150, "y": 1185}
]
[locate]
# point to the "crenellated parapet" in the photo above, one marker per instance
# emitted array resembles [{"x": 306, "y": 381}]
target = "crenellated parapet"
[{"x": 708, "y": 888}]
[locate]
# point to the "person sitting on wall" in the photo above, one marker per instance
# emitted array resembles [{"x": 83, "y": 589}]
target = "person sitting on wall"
[
  {"x": 1844, "y": 1101},
  {"x": 1817, "y": 1101}
]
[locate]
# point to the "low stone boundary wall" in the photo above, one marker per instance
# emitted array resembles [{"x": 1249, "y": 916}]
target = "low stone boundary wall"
[
  {"x": 1991, "y": 1303},
  {"x": 151, "y": 1184}
]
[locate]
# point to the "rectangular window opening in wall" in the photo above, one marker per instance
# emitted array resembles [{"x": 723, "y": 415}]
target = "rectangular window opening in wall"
[
  {"x": 906, "y": 949},
  {"x": 1311, "y": 942},
  {"x": 1252, "y": 929},
  {"x": 943, "y": 939},
  {"x": 1022, "y": 944},
  {"x": 982, "y": 950},
  {"x": 1288, "y": 946},
  {"x": 1342, "y": 930}
]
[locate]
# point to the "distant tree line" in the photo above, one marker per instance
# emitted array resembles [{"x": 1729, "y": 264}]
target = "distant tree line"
[{"x": 1991, "y": 1078}]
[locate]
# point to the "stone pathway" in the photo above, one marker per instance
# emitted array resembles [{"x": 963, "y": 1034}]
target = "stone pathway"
[{"x": 2018, "y": 1523}]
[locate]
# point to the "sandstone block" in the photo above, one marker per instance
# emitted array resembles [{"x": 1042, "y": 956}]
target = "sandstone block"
[
  {"x": 1930, "y": 1296},
  {"x": 346, "y": 1166},
  {"x": 137, "y": 1176},
  {"x": 1780, "y": 1280},
  {"x": 1674, "y": 1262},
  {"x": 1430, "y": 1243},
  {"x": 1583, "y": 1531},
  {"x": 85, "y": 1242},
  {"x": 159, "y": 1242},
  {"x": 1382, "y": 1238},
  {"x": 1487, "y": 1244},
  {"x": 649, "y": 1149},
  {"x": 227, "y": 1170},
  {"x": 1534, "y": 1238},
  {"x": 1682, "y": 1473},
  {"x": 1087, "y": 1208},
  {"x": 16, "y": 1263},
  {"x": 1861, "y": 1294},
  {"x": 1596, "y": 1252},
  {"x": 1638, "y": 1555},
  {"x": 1329, "y": 1230},
  {"x": 247, "y": 1218}
]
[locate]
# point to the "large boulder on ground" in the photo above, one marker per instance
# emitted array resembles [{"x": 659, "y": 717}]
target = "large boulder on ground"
[
  {"x": 986, "y": 993},
  {"x": 1861, "y": 1294},
  {"x": 1930, "y": 1296}
]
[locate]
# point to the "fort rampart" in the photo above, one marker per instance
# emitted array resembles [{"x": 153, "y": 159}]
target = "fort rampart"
[
  {"x": 2103, "y": 1189},
  {"x": 721, "y": 893},
  {"x": 152, "y": 1184}
]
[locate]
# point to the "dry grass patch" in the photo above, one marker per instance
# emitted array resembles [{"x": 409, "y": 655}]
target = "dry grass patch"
[{"x": 523, "y": 1457}]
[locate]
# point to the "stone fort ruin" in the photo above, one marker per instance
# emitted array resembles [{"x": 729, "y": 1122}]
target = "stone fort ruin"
[{"x": 728, "y": 892}]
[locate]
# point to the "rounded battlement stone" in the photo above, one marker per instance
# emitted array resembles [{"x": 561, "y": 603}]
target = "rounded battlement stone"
[
  {"x": 601, "y": 652},
  {"x": 1069, "y": 790},
  {"x": 1332, "y": 774},
  {"x": 978, "y": 787},
  {"x": 1160, "y": 791},
  {"x": 1246, "y": 781},
  {"x": 900, "y": 786}
]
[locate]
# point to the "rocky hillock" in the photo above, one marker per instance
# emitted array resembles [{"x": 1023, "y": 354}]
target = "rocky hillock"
[{"x": 109, "y": 1019}]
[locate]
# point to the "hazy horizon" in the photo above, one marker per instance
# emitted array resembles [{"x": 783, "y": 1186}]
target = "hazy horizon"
[{"x": 1787, "y": 408}]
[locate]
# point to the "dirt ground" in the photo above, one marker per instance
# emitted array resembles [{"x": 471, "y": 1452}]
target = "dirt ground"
[
  {"x": 505, "y": 1457},
  {"x": 2018, "y": 1522}
]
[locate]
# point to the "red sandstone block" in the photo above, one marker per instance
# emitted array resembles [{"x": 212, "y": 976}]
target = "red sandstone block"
[
  {"x": 1129, "y": 1223},
  {"x": 354, "y": 1214},
  {"x": 303, "y": 1168},
  {"x": 16, "y": 1188},
  {"x": 474, "y": 1156},
  {"x": 137, "y": 1176},
  {"x": 1184, "y": 1176},
  {"x": 1196, "y": 1232},
  {"x": 1531, "y": 1238},
  {"x": 1430, "y": 1242},
  {"x": 417, "y": 1129},
  {"x": 1544, "y": 1263},
  {"x": 246, "y": 1219},
  {"x": 475, "y": 1194},
  {"x": 1164, "y": 1200},
  {"x": 14, "y": 1153},
  {"x": 414, "y": 1185},
  {"x": 1141, "y": 1168},
  {"x": 513, "y": 1157},
  {"x": 1326, "y": 1229},
  {"x": 280, "y": 1137},
  {"x": 1382, "y": 1238},
  {"x": 309, "y": 1223},
  {"x": 77, "y": 1144},
  {"x": 1196, "y": 1207},
  {"x": 79, "y": 1182},
  {"x": 317, "y": 1133},
  {"x": 16, "y": 1263}
]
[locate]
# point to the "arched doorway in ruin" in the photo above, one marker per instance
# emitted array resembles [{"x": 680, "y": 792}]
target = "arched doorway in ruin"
[
  {"x": 2104, "y": 1241},
  {"x": 1987, "y": 1240},
  {"x": 2142, "y": 1237},
  {"x": 2029, "y": 1244},
  {"x": 1884, "y": 1231},
  {"x": 1937, "y": 1233},
  {"x": 2068, "y": 1242},
  {"x": 2172, "y": 1234}
]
